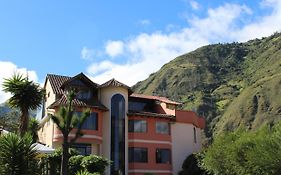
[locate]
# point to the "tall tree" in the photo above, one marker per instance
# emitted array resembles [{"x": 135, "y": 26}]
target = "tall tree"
[
  {"x": 33, "y": 128},
  {"x": 66, "y": 121},
  {"x": 26, "y": 95}
]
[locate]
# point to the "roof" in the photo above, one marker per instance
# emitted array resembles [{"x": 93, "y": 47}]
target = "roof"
[
  {"x": 115, "y": 83},
  {"x": 150, "y": 114},
  {"x": 82, "y": 77},
  {"x": 150, "y": 97},
  {"x": 77, "y": 102},
  {"x": 42, "y": 148},
  {"x": 56, "y": 82}
]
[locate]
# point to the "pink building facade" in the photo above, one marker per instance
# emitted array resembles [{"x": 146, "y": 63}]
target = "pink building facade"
[{"x": 139, "y": 133}]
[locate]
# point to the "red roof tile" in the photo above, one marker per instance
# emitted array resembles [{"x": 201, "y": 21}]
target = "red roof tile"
[
  {"x": 56, "y": 81},
  {"x": 77, "y": 102}
]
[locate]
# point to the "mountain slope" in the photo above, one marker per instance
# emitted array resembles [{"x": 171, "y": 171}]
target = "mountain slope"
[{"x": 229, "y": 84}]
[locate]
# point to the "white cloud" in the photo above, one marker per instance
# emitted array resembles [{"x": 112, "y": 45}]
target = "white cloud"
[
  {"x": 194, "y": 4},
  {"x": 114, "y": 48},
  {"x": 87, "y": 53},
  {"x": 146, "y": 53},
  {"x": 145, "y": 22},
  {"x": 7, "y": 70}
]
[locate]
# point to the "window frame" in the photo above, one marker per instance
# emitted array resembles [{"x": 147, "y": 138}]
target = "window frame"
[
  {"x": 86, "y": 146},
  {"x": 133, "y": 123},
  {"x": 79, "y": 113},
  {"x": 158, "y": 150},
  {"x": 162, "y": 132},
  {"x": 131, "y": 157}
]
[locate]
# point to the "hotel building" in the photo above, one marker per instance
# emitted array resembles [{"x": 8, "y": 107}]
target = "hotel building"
[{"x": 140, "y": 134}]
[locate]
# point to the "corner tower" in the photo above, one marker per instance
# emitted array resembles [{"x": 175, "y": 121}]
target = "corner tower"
[{"x": 114, "y": 95}]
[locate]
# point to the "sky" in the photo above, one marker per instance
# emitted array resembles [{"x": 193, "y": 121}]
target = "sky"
[{"x": 126, "y": 40}]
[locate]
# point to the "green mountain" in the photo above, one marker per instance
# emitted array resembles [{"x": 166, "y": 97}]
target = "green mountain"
[{"x": 231, "y": 85}]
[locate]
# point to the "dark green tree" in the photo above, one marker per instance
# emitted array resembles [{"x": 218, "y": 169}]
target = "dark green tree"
[
  {"x": 26, "y": 95},
  {"x": 66, "y": 121},
  {"x": 33, "y": 128}
]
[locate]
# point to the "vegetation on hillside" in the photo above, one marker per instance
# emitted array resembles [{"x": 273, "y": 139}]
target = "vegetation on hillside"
[
  {"x": 231, "y": 85},
  {"x": 245, "y": 152}
]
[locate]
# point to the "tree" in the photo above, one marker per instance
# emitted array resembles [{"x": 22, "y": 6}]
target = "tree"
[
  {"x": 33, "y": 128},
  {"x": 245, "y": 152},
  {"x": 26, "y": 95},
  {"x": 18, "y": 156},
  {"x": 66, "y": 121}
]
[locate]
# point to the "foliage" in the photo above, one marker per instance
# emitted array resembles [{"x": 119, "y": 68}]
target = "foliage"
[
  {"x": 18, "y": 156},
  {"x": 26, "y": 95},
  {"x": 66, "y": 121},
  {"x": 33, "y": 127},
  {"x": 54, "y": 160},
  {"x": 75, "y": 164},
  {"x": 86, "y": 173},
  {"x": 190, "y": 166},
  {"x": 231, "y": 85},
  {"x": 93, "y": 163},
  {"x": 245, "y": 152}
]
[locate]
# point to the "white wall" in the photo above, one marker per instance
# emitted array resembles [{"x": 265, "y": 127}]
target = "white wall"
[
  {"x": 183, "y": 143},
  {"x": 46, "y": 133}
]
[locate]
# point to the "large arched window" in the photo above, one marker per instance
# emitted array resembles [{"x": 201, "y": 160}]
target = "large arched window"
[{"x": 118, "y": 134}]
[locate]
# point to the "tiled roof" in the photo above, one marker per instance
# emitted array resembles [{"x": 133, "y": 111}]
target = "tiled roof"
[
  {"x": 83, "y": 77},
  {"x": 79, "y": 103},
  {"x": 150, "y": 114},
  {"x": 150, "y": 97},
  {"x": 56, "y": 81},
  {"x": 115, "y": 83}
]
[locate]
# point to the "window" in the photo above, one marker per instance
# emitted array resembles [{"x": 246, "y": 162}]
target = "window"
[
  {"x": 137, "y": 126},
  {"x": 162, "y": 128},
  {"x": 138, "y": 155},
  {"x": 194, "y": 135},
  {"x": 84, "y": 94},
  {"x": 170, "y": 106},
  {"x": 91, "y": 122},
  {"x": 163, "y": 156},
  {"x": 117, "y": 134},
  {"x": 83, "y": 149}
]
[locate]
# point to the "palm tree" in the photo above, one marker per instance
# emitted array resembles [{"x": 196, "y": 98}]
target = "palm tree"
[
  {"x": 26, "y": 95},
  {"x": 66, "y": 121}
]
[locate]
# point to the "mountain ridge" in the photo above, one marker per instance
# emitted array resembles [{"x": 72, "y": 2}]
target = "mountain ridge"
[{"x": 231, "y": 85}]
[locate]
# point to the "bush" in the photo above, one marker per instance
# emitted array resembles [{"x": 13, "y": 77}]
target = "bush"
[
  {"x": 86, "y": 173},
  {"x": 54, "y": 160},
  {"x": 190, "y": 166},
  {"x": 94, "y": 163},
  {"x": 17, "y": 155},
  {"x": 75, "y": 164}
]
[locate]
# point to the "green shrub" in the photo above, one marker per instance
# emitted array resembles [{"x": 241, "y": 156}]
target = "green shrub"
[
  {"x": 86, "y": 173},
  {"x": 75, "y": 164},
  {"x": 17, "y": 155},
  {"x": 94, "y": 163},
  {"x": 190, "y": 166},
  {"x": 54, "y": 160}
]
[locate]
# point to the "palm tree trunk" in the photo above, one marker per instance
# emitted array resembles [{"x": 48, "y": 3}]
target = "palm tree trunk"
[
  {"x": 24, "y": 118},
  {"x": 65, "y": 156}
]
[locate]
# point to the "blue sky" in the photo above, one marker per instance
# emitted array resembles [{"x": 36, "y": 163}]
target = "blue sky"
[{"x": 123, "y": 39}]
